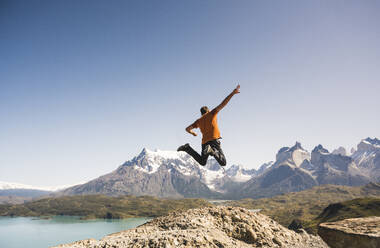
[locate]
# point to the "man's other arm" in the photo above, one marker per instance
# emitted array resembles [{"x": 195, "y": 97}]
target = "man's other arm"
[
  {"x": 190, "y": 128},
  {"x": 227, "y": 99}
]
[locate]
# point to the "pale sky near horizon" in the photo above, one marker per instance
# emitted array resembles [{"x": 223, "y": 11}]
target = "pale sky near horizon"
[{"x": 86, "y": 85}]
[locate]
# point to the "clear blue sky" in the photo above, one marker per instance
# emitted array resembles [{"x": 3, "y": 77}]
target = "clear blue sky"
[{"x": 85, "y": 85}]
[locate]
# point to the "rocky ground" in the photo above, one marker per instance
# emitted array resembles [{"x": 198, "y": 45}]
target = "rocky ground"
[
  {"x": 207, "y": 227},
  {"x": 355, "y": 232}
]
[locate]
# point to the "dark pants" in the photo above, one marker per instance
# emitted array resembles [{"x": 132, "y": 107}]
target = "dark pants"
[{"x": 202, "y": 159}]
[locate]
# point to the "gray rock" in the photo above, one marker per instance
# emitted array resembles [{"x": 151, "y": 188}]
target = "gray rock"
[
  {"x": 336, "y": 169},
  {"x": 367, "y": 158},
  {"x": 356, "y": 232},
  {"x": 285, "y": 175},
  {"x": 207, "y": 227},
  {"x": 340, "y": 151}
]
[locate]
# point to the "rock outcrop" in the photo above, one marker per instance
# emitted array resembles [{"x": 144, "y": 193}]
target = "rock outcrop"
[
  {"x": 207, "y": 227},
  {"x": 356, "y": 232}
]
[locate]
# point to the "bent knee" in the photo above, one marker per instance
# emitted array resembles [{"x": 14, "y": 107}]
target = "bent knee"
[{"x": 203, "y": 163}]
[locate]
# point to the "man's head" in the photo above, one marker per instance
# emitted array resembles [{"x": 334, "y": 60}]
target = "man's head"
[{"x": 204, "y": 110}]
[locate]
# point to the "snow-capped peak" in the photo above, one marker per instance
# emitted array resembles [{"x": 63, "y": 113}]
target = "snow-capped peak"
[
  {"x": 374, "y": 142},
  {"x": 368, "y": 145},
  {"x": 153, "y": 161},
  {"x": 239, "y": 174},
  {"x": 149, "y": 161},
  {"x": 162, "y": 154}
]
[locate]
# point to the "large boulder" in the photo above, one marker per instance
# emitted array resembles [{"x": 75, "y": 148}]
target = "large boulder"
[{"x": 356, "y": 232}]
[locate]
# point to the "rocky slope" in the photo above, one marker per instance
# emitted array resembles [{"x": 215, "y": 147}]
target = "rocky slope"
[
  {"x": 338, "y": 169},
  {"x": 296, "y": 169},
  {"x": 166, "y": 174},
  {"x": 287, "y": 174},
  {"x": 207, "y": 227},
  {"x": 367, "y": 158},
  {"x": 356, "y": 232},
  {"x": 157, "y": 173}
]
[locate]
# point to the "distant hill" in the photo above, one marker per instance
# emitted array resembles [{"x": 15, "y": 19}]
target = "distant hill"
[
  {"x": 360, "y": 207},
  {"x": 101, "y": 206},
  {"x": 14, "y": 199},
  {"x": 24, "y": 192},
  {"x": 356, "y": 208},
  {"x": 18, "y": 196},
  {"x": 16, "y": 193}
]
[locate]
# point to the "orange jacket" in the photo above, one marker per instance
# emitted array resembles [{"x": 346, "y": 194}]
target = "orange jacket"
[{"x": 208, "y": 125}]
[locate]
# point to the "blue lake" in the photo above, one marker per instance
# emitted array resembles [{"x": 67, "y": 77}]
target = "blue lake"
[{"x": 21, "y": 232}]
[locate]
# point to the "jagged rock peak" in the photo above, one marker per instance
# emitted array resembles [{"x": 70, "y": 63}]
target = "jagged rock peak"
[
  {"x": 239, "y": 173},
  {"x": 320, "y": 149},
  {"x": 264, "y": 167},
  {"x": 294, "y": 155},
  {"x": 283, "y": 149},
  {"x": 213, "y": 167},
  {"x": 340, "y": 151},
  {"x": 147, "y": 153},
  {"x": 143, "y": 152},
  {"x": 296, "y": 146},
  {"x": 150, "y": 161},
  {"x": 233, "y": 170},
  {"x": 369, "y": 145},
  {"x": 208, "y": 227},
  {"x": 373, "y": 141}
]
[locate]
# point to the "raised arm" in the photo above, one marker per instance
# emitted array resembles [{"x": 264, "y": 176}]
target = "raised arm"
[{"x": 227, "y": 99}]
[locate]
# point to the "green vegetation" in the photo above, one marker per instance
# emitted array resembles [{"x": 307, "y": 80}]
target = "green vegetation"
[
  {"x": 361, "y": 207},
  {"x": 101, "y": 206},
  {"x": 308, "y": 204}
]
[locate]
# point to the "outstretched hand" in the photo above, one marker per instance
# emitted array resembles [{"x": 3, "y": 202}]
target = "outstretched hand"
[{"x": 237, "y": 89}]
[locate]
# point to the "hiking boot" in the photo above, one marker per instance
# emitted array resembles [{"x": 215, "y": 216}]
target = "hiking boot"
[
  {"x": 209, "y": 151},
  {"x": 183, "y": 148}
]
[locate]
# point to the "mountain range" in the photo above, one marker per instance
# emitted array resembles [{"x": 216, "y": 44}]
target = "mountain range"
[
  {"x": 175, "y": 174},
  {"x": 16, "y": 193},
  {"x": 166, "y": 174}
]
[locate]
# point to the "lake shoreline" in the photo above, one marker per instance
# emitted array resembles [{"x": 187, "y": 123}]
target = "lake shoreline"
[{"x": 37, "y": 232}]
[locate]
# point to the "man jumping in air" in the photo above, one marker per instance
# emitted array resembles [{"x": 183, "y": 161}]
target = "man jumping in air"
[{"x": 210, "y": 134}]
